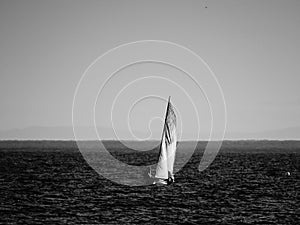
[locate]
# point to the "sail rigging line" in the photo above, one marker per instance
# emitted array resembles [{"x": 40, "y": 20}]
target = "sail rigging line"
[{"x": 166, "y": 114}]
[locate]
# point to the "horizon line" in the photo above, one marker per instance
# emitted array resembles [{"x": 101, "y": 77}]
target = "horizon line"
[{"x": 157, "y": 140}]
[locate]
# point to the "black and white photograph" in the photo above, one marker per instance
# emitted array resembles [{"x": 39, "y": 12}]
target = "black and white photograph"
[{"x": 149, "y": 112}]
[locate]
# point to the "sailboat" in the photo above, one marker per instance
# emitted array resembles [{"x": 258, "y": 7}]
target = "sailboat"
[{"x": 166, "y": 158}]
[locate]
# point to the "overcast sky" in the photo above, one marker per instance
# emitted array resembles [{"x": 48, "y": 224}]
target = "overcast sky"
[{"x": 253, "y": 47}]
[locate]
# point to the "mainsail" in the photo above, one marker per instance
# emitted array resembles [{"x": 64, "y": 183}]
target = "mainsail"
[{"x": 164, "y": 169}]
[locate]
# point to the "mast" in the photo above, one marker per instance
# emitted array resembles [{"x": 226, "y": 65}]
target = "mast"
[
  {"x": 162, "y": 154},
  {"x": 164, "y": 126},
  {"x": 165, "y": 117}
]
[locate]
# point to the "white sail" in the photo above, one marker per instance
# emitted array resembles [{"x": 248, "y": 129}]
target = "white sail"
[
  {"x": 171, "y": 152},
  {"x": 165, "y": 165},
  {"x": 162, "y": 165}
]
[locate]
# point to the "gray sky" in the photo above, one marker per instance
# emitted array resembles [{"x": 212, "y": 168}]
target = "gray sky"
[{"x": 253, "y": 47}]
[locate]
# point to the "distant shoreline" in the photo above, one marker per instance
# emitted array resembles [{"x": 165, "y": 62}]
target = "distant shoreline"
[{"x": 281, "y": 146}]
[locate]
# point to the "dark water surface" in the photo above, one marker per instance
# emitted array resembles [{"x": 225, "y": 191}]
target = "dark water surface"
[{"x": 246, "y": 184}]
